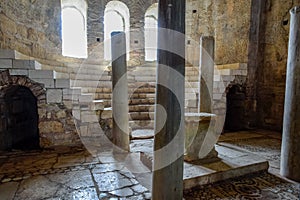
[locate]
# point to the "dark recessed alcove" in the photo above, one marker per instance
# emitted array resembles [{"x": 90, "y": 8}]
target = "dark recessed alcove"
[
  {"x": 235, "y": 109},
  {"x": 19, "y": 119}
]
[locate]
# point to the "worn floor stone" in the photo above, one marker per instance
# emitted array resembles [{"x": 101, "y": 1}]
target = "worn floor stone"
[
  {"x": 67, "y": 173},
  {"x": 75, "y": 173}
]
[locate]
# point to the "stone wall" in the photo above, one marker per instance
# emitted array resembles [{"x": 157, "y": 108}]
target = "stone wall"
[
  {"x": 228, "y": 21},
  {"x": 31, "y": 27},
  {"x": 34, "y": 28},
  {"x": 55, "y": 121},
  {"x": 272, "y": 67}
]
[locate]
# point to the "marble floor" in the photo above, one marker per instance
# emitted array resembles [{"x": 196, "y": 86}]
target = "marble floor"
[{"x": 76, "y": 173}]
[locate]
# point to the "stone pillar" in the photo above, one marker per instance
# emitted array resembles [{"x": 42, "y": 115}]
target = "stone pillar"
[
  {"x": 169, "y": 113},
  {"x": 120, "y": 130},
  {"x": 206, "y": 74},
  {"x": 290, "y": 150}
]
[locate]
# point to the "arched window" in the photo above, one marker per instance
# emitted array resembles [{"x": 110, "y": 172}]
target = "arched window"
[
  {"x": 151, "y": 33},
  {"x": 74, "y": 34},
  {"x": 116, "y": 18}
]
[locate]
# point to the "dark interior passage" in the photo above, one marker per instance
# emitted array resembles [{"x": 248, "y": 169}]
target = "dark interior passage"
[{"x": 19, "y": 119}]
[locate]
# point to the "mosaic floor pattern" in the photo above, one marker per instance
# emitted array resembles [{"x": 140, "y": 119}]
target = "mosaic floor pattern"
[{"x": 262, "y": 187}]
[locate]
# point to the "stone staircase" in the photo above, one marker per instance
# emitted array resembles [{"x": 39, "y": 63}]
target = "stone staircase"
[
  {"x": 61, "y": 89},
  {"x": 87, "y": 89}
]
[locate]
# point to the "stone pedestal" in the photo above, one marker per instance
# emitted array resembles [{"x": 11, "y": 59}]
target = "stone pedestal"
[
  {"x": 197, "y": 147},
  {"x": 290, "y": 151},
  {"x": 120, "y": 130}
]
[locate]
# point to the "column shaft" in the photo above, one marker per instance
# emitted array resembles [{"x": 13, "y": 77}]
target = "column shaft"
[
  {"x": 120, "y": 130},
  {"x": 169, "y": 128},
  {"x": 290, "y": 150}
]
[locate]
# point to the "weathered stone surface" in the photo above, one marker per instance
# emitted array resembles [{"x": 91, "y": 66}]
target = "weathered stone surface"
[
  {"x": 124, "y": 192},
  {"x": 51, "y": 127},
  {"x": 199, "y": 129},
  {"x": 111, "y": 181}
]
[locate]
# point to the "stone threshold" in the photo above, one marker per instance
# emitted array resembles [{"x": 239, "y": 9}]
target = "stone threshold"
[{"x": 232, "y": 163}]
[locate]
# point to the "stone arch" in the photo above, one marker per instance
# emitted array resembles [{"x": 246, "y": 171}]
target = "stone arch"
[
  {"x": 37, "y": 89},
  {"x": 118, "y": 11},
  {"x": 20, "y": 98},
  {"x": 137, "y": 11}
]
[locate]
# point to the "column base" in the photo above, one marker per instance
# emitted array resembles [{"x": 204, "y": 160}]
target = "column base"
[{"x": 211, "y": 157}]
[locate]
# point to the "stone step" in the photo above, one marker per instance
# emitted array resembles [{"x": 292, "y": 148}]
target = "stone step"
[
  {"x": 137, "y": 85},
  {"x": 19, "y": 64},
  {"x": 141, "y": 115},
  {"x": 142, "y": 95},
  {"x": 71, "y": 70},
  {"x": 90, "y": 83},
  {"x": 87, "y": 66},
  {"x": 86, "y": 98},
  {"x": 141, "y": 124},
  {"x": 102, "y": 95},
  {"x": 98, "y": 105},
  {"x": 101, "y": 90},
  {"x": 145, "y": 78},
  {"x": 12, "y": 54},
  {"x": 140, "y": 84},
  {"x": 42, "y": 74},
  {"x": 141, "y": 108},
  {"x": 88, "y": 77},
  {"x": 142, "y": 90},
  {"x": 148, "y": 101},
  {"x": 62, "y": 83},
  {"x": 72, "y": 91}
]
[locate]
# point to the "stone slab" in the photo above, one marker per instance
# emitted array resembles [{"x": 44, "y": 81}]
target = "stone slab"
[
  {"x": 7, "y": 53},
  {"x": 54, "y": 96},
  {"x": 48, "y": 74},
  {"x": 62, "y": 83},
  {"x": 233, "y": 163},
  {"x": 86, "y": 98},
  {"x": 5, "y": 63},
  {"x": 97, "y": 105},
  {"x": 72, "y": 91},
  {"x": 48, "y": 83},
  {"x": 8, "y": 190},
  {"x": 19, "y": 72},
  {"x": 26, "y": 64}
]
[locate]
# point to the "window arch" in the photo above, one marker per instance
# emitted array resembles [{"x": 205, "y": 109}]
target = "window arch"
[
  {"x": 74, "y": 33},
  {"x": 151, "y": 17},
  {"x": 116, "y": 18}
]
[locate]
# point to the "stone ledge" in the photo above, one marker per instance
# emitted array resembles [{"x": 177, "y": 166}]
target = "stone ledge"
[{"x": 234, "y": 163}]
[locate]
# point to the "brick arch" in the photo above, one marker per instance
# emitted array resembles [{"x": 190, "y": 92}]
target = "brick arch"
[
  {"x": 37, "y": 89},
  {"x": 137, "y": 10}
]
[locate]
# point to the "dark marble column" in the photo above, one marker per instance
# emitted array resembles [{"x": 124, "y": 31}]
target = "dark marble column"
[
  {"x": 120, "y": 130},
  {"x": 169, "y": 115},
  {"x": 290, "y": 151}
]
